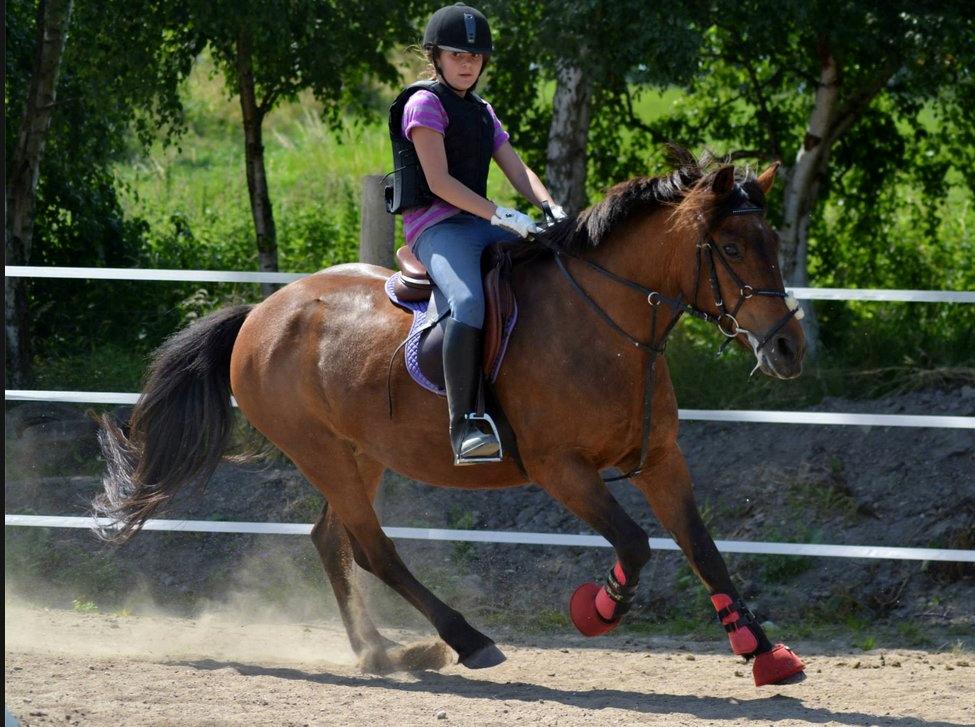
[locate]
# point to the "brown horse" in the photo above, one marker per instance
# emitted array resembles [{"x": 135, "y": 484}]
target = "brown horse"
[{"x": 308, "y": 368}]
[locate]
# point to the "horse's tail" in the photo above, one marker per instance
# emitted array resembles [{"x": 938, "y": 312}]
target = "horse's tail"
[{"x": 178, "y": 430}]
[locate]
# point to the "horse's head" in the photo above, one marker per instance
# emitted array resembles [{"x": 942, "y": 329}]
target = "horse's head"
[{"x": 736, "y": 277}]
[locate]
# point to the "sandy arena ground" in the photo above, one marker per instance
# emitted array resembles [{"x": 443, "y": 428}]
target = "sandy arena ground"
[{"x": 68, "y": 668}]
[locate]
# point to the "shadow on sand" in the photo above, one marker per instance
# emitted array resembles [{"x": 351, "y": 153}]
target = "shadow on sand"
[{"x": 773, "y": 707}]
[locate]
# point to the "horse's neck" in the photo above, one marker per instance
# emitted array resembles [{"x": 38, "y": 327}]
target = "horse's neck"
[
  {"x": 646, "y": 253},
  {"x": 643, "y": 252}
]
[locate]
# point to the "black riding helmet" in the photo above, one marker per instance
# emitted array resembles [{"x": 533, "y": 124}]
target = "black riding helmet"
[{"x": 458, "y": 27}]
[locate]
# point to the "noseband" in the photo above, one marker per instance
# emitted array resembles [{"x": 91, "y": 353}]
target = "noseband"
[{"x": 725, "y": 320}]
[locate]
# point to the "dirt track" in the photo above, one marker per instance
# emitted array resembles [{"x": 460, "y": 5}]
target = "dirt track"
[{"x": 87, "y": 669}]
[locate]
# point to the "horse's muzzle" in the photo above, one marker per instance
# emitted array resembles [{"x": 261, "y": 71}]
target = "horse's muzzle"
[{"x": 782, "y": 356}]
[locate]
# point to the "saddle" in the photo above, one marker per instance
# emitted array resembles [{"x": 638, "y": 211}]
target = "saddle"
[
  {"x": 413, "y": 285},
  {"x": 412, "y": 289}
]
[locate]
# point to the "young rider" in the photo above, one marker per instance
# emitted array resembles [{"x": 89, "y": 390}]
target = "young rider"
[{"x": 444, "y": 137}]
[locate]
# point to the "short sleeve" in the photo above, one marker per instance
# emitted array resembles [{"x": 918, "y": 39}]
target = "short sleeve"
[
  {"x": 500, "y": 135},
  {"x": 423, "y": 108}
]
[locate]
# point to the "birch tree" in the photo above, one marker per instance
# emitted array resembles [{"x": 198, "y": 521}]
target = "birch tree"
[
  {"x": 797, "y": 81},
  {"x": 80, "y": 79},
  {"x": 53, "y": 18},
  {"x": 596, "y": 56}
]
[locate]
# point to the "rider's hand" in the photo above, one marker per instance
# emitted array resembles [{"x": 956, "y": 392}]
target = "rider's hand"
[
  {"x": 557, "y": 212},
  {"x": 514, "y": 221}
]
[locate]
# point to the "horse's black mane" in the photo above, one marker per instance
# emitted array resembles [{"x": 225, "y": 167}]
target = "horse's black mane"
[{"x": 642, "y": 195}]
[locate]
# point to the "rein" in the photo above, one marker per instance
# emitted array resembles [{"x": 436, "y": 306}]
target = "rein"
[{"x": 678, "y": 306}]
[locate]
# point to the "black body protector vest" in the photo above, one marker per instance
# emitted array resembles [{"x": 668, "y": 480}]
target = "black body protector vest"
[{"x": 468, "y": 141}]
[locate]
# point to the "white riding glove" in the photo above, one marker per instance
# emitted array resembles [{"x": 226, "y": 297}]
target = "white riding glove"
[
  {"x": 514, "y": 221},
  {"x": 557, "y": 212}
]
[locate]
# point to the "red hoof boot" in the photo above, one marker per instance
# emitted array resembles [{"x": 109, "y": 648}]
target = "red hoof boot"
[
  {"x": 585, "y": 614},
  {"x": 776, "y": 666}
]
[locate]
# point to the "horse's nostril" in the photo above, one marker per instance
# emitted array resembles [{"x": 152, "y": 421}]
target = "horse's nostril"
[{"x": 783, "y": 347}]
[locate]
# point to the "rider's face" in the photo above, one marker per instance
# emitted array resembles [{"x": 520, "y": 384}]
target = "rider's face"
[{"x": 461, "y": 70}]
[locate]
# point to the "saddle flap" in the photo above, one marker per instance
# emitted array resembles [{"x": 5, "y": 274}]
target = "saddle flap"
[{"x": 499, "y": 306}]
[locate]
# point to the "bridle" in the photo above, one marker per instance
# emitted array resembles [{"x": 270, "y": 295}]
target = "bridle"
[
  {"x": 725, "y": 321},
  {"x": 725, "y": 317}
]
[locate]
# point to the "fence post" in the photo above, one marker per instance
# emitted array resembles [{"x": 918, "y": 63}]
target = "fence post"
[{"x": 377, "y": 227}]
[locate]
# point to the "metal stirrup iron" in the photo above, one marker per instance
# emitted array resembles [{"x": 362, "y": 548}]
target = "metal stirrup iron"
[{"x": 480, "y": 415}]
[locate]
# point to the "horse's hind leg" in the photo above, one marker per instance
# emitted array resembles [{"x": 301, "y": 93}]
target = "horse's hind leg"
[
  {"x": 666, "y": 484},
  {"x": 335, "y": 551},
  {"x": 350, "y": 499}
]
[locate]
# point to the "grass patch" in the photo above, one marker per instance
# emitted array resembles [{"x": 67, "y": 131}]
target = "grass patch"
[
  {"x": 82, "y": 606},
  {"x": 107, "y": 367},
  {"x": 53, "y": 567}
]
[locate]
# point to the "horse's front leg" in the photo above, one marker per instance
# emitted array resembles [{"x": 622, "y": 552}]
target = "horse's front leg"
[
  {"x": 666, "y": 484},
  {"x": 576, "y": 484}
]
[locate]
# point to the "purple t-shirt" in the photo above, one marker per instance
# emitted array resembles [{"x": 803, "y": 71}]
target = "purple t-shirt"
[{"x": 423, "y": 108}]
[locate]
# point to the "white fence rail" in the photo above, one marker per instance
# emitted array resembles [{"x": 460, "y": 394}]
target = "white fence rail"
[
  {"x": 225, "y": 276},
  {"x": 514, "y": 538},
  {"x": 711, "y": 415},
  {"x": 520, "y": 538}
]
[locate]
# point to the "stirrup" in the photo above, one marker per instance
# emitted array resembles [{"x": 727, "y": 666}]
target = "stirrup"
[{"x": 496, "y": 457}]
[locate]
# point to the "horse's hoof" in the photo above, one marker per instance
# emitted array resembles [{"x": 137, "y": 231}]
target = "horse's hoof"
[
  {"x": 375, "y": 661},
  {"x": 428, "y": 655},
  {"x": 794, "y": 679},
  {"x": 486, "y": 656},
  {"x": 779, "y": 665},
  {"x": 582, "y": 611}
]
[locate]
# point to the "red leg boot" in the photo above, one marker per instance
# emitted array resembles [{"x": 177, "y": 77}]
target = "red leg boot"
[
  {"x": 596, "y": 610},
  {"x": 771, "y": 666}
]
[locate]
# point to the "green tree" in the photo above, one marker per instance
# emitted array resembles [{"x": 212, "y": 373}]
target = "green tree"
[
  {"x": 112, "y": 76},
  {"x": 836, "y": 91},
  {"x": 270, "y": 50},
  {"x": 52, "y": 20},
  {"x": 598, "y": 55}
]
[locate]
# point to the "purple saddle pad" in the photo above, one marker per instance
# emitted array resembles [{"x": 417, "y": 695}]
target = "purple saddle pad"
[{"x": 414, "y": 339}]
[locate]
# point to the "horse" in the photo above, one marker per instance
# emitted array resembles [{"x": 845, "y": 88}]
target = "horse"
[{"x": 584, "y": 386}]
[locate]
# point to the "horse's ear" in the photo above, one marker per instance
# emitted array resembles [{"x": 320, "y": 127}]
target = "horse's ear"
[
  {"x": 766, "y": 178},
  {"x": 724, "y": 180}
]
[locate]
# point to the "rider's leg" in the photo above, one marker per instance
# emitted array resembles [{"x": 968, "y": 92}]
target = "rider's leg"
[
  {"x": 462, "y": 353},
  {"x": 451, "y": 251}
]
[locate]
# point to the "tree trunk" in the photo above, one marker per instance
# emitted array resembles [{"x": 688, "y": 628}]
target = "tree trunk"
[
  {"x": 53, "y": 17},
  {"x": 802, "y": 189},
  {"x": 267, "y": 239},
  {"x": 566, "y": 154}
]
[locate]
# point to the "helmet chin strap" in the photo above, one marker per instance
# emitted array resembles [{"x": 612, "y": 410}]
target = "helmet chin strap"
[{"x": 443, "y": 79}]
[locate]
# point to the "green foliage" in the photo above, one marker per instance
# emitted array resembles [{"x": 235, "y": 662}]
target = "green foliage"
[
  {"x": 620, "y": 59},
  {"x": 84, "y": 606},
  {"x": 460, "y": 519},
  {"x": 107, "y": 104},
  {"x": 49, "y": 565},
  {"x": 893, "y": 207},
  {"x": 337, "y": 50},
  {"x": 897, "y": 205}
]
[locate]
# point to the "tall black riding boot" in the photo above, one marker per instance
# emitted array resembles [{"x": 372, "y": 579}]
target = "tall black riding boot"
[{"x": 462, "y": 370}]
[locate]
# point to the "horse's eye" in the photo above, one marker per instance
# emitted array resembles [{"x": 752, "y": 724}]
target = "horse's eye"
[{"x": 732, "y": 251}]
